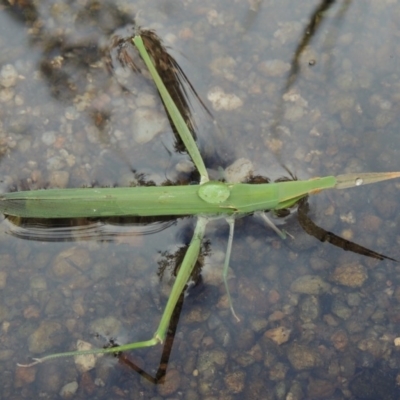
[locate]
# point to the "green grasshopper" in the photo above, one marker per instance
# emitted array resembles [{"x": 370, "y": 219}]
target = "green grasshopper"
[{"x": 207, "y": 200}]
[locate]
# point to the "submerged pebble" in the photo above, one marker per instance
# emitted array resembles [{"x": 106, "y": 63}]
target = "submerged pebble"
[
  {"x": 239, "y": 171},
  {"x": 235, "y": 381},
  {"x": 3, "y": 279},
  {"x": 320, "y": 389},
  {"x": 310, "y": 284},
  {"x": 223, "y": 101},
  {"x": 274, "y": 68},
  {"x": 24, "y": 376},
  {"x": 68, "y": 391},
  {"x": 171, "y": 383},
  {"x": 303, "y": 357},
  {"x": 147, "y": 124},
  {"x": 48, "y": 138},
  {"x": 109, "y": 328},
  {"x": 8, "y": 76},
  {"x": 85, "y": 362},
  {"x": 279, "y": 335},
  {"x": 59, "y": 179},
  {"x": 211, "y": 359},
  {"x": 50, "y": 334},
  {"x": 351, "y": 274}
]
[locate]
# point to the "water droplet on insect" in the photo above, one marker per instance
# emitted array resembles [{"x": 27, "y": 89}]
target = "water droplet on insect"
[{"x": 359, "y": 181}]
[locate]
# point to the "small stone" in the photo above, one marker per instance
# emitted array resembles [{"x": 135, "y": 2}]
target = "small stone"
[
  {"x": 374, "y": 383},
  {"x": 310, "y": 308},
  {"x": 352, "y": 275},
  {"x": 147, "y": 124},
  {"x": 85, "y": 362},
  {"x": 303, "y": 357},
  {"x": 100, "y": 270},
  {"x": 63, "y": 269},
  {"x": 55, "y": 163},
  {"x": 235, "y": 381},
  {"x": 38, "y": 283},
  {"x": 273, "y": 68},
  {"x": 71, "y": 113},
  {"x": 330, "y": 320},
  {"x": 184, "y": 166},
  {"x": 146, "y": 100},
  {"x": 59, "y": 179},
  {"x": 51, "y": 380},
  {"x": 288, "y": 31},
  {"x": 31, "y": 312},
  {"x": 320, "y": 389},
  {"x": 239, "y": 171},
  {"x": 278, "y": 335},
  {"x": 340, "y": 340},
  {"x": 295, "y": 392},
  {"x": 295, "y": 97},
  {"x": 224, "y": 66},
  {"x": 340, "y": 309},
  {"x": 211, "y": 359},
  {"x": 196, "y": 314},
  {"x": 8, "y": 76},
  {"x": 76, "y": 259},
  {"x": 186, "y": 33},
  {"x": 353, "y": 299},
  {"x": 4, "y": 312},
  {"x": 370, "y": 223},
  {"x": 171, "y": 383},
  {"x": 48, "y": 138},
  {"x": 277, "y": 316},
  {"x": 384, "y": 118},
  {"x": 87, "y": 383},
  {"x": 386, "y": 207},
  {"x": 372, "y": 346},
  {"x": 215, "y": 18},
  {"x": 254, "y": 298},
  {"x": 49, "y": 334},
  {"x": 24, "y": 376},
  {"x": 68, "y": 391},
  {"x": 274, "y": 144},
  {"x": 273, "y": 296},
  {"x": 223, "y": 101},
  {"x": 310, "y": 284},
  {"x": 108, "y": 328},
  {"x": 277, "y": 372},
  {"x": 78, "y": 307},
  {"x": 3, "y": 279},
  {"x": 294, "y": 113}
]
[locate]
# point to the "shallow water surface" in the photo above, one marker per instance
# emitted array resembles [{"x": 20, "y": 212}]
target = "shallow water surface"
[{"x": 309, "y": 86}]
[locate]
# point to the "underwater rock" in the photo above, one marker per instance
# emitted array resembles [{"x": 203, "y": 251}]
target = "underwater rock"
[
  {"x": 85, "y": 362},
  {"x": 303, "y": 357},
  {"x": 373, "y": 384},
  {"x": 49, "y": 334},
  {"x": 147, "y": 124},
  {"x": 278, "y": 335},
  {"x": 8, "y": 76},
  {"x": 352, "y": 275},
  {"x": 68, "y": 391},
  {"x": 171, "y": 383},
  {"x": 223, "y": 101},
  {"x": 310, "y": 284},
  {"x": 239, "y": 171}
]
